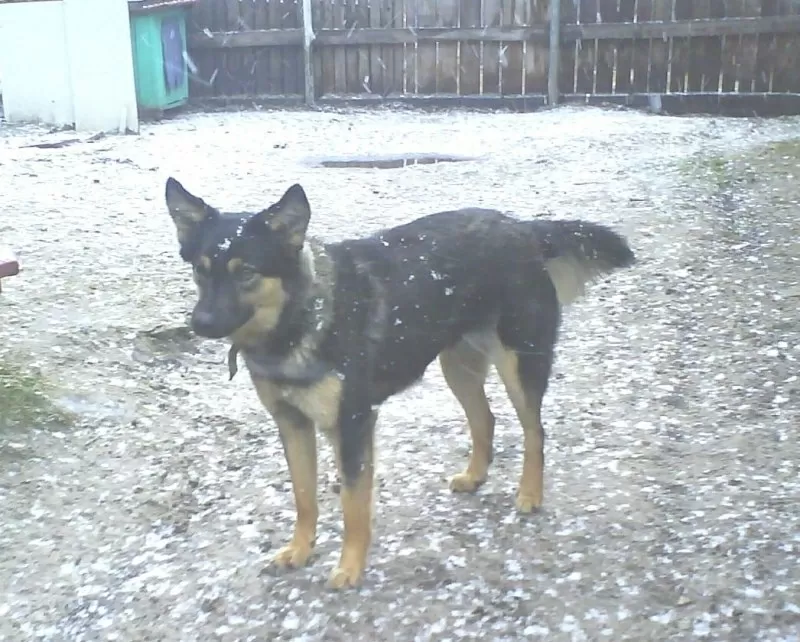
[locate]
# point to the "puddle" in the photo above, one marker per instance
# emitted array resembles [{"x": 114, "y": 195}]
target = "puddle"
[
  {"x": 96, "y": 406},
  {"x": 387, "y": 162}
]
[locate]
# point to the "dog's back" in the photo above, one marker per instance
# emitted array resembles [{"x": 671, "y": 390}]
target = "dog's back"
[{"x": 455, "y": 274}]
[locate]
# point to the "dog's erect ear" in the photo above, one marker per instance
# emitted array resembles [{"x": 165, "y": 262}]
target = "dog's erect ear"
[
  {"x": 289, "y": 216},
  {"x": 187, "y": 210}
]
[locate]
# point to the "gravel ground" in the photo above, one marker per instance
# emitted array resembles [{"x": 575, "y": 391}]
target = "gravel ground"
[{"x": 673, "y": 478}]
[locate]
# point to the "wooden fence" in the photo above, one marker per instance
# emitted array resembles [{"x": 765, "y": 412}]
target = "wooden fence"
[{"x": 456, "y": 50}]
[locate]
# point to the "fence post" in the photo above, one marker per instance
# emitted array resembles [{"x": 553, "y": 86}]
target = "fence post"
[
  {"x": 308, "y": 60},
  {"x": 554, "y": 64}
]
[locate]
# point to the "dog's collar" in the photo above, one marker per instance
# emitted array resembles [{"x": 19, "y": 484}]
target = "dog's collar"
[
  {"x": 276, "y": 369},
  {"x": 233, "y": 365}
]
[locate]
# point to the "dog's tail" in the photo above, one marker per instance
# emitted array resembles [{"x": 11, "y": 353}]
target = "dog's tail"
[{"x": 579, "y": 252}]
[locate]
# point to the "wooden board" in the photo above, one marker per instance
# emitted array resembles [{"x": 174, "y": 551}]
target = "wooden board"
[
  {"x": 748, "y": 49},
  {"x": 680, "y": 50},
  {"x": 586, "y": 51},
  {"x": 537, "y": 50},
  {"x": 395, "y": 20},
  {"x": 786, "y": 56},
  {"x": 566, "y": 75},
  {"x": 338, "y": 55},
  {"x": 766, "y": 53},
  {"x": 640, "y": 63},
  {"x": 606, "y": 50},
  {"x": 202, "y": 61},
  {"x": 447, "y": 52},
  {"x": 625, "y": 50},
  {"x": 659, "y": 62},
  {"x": 470, "y": 63},
  {"x": 425, "y": 59}
]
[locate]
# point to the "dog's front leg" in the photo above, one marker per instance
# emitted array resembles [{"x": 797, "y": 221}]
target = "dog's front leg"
[
  {"x": 354, "y": 445},
  {"x": 299, "y": 441}
]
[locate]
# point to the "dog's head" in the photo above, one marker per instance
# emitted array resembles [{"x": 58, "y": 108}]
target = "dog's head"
[{"x": 245, "y": 264}]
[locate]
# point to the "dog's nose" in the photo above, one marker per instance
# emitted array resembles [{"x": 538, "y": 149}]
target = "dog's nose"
[{"x": 203, "y": 323}]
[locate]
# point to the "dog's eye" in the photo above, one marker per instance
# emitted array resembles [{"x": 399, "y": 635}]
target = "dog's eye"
[
  {"x": 200, "y": 271},
  {"x": 247, "y": 274}
]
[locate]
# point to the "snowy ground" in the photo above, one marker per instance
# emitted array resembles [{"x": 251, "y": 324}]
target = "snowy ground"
[{"x": 673, "y": 479}]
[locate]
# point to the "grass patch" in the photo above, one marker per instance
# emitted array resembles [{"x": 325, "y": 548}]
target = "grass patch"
[
  {"x": 751, "y": 194},
  {"x": 25, "y": 401},
  {"x": 766, "y": 163}
]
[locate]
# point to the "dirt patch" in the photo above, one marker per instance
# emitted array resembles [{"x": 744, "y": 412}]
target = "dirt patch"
[{"x": 672, "y": 476}]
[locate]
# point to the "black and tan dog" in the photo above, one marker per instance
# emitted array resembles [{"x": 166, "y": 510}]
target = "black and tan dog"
[{"x": 330, "y": 331}]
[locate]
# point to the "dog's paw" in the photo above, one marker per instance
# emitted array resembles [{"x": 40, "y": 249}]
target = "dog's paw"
[
  {"x": 465, "y": 483},
  {"x": 292, "y": 556},
  {"x": 528, "y": 503},
  {"x": 345, "y": 576}
]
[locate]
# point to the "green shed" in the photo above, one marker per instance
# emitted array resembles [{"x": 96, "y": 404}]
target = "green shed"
[{"x": 158, "y": 40}]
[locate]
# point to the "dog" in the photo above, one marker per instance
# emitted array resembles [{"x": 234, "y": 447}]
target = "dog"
[{"x": 329, "y": 331}]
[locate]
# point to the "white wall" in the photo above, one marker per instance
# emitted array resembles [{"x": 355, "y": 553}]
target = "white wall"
[
  {"x": 36, "y": 82},
  {"x": 68, "y": 62},
  {"x": 101, "y": 64}
]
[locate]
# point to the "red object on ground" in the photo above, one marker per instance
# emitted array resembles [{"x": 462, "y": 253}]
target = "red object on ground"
[{"x": 9, "y": 266}]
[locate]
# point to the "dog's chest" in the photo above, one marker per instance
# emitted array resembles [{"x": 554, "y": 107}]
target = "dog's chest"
[{"x": 318, "y": 401}]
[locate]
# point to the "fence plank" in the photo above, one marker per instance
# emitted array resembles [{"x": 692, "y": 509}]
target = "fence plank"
[
  {"x": 490, "y": 55},
  {"x": 232, "y": 80},
  {"x": 536, "y": 51},
  {"x": 606, "y": 50},
  {"x": 512, "y": 56},
  {"x": 730, "y": 47},
  {"x": 274, "y": 70},
  {"x": 569, "y": 15},
  {"x": 748, "y": 49},
  {"x": 625, "y": 50},
  {"x": 263, "y": 55},
  {"x": 470, "y": 67},
  {"x": 643, "y": 12},
  {"x": 339, "y": 54},
  {"x": 425, "y": 16},
  {"x": 376, "y": 75},
  {"x": 364, "y": 70},
  {"x": 587, "y": 49},
  {"x": 661, "y": 11},
  {"x": 703, "y": 64},
  {"x": 325, "y": 53},
  {"x": 202, "y": 61},
  {"x": 351, "y": 52},
  {"x": 395, "y": 21},
  {"x": 680, "y": 48},
  {"x": 386, "y": 52},
  {"x": 317, "y": 55},
  {"x": 765, "y": 55},
  {"x": 447, "y": 52},
  {"x": 787, "y": 52},
  {"x": 409, "y": 49},
  {"x": 246, "y": 20},
  {"x": 292, "y": 60}
]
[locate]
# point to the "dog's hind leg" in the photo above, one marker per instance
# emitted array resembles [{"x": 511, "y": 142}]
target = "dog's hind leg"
[
  {"x": 299, "y": 441},
  {"x": 465, "y": 367},
  {"x": 527, "y": 332}
]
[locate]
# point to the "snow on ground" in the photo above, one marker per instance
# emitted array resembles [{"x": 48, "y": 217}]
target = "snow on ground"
[{"x": 672, "y": 473}]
